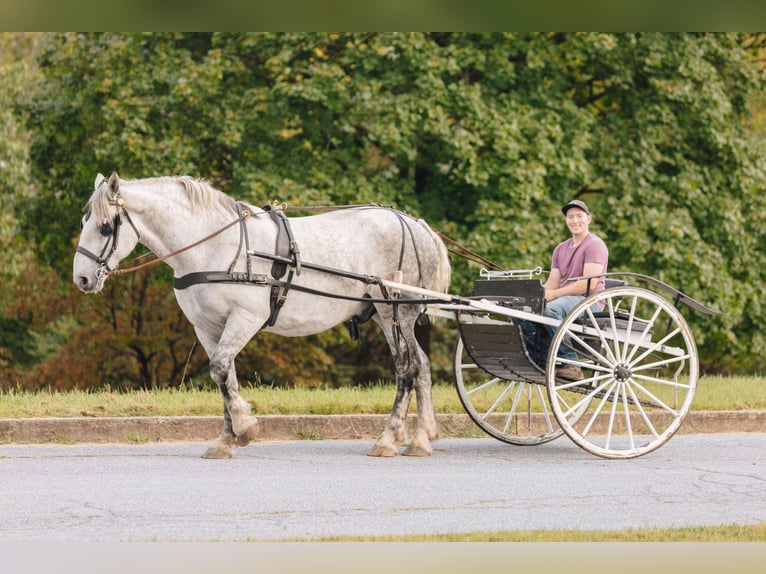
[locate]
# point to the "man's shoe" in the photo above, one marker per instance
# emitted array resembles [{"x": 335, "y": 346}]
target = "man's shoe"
[{"x": 569, "y": 373}]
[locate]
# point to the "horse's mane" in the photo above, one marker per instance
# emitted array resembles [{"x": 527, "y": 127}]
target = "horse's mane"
[{"x": 201, "y": 194}]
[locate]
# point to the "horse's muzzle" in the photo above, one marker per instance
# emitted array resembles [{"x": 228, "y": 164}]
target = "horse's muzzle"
[
  {"x": 84, "y": 284},
  {"x": 88, "y": 284}
]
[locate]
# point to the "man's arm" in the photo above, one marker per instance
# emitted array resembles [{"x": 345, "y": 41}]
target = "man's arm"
[
  {"x": 553, "y": 291},
  {"x": 554, "y": 280}
]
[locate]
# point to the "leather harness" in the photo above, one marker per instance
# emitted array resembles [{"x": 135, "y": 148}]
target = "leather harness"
[
  {"x": 288, "y": 256},
  {"x": 286, "y": 260},
  {"x": 285, "y": 247}
]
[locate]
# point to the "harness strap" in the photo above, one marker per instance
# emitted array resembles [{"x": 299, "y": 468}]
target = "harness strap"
[
  {"x": 244, "y": 238},
  {"x": 259, "y": 280},
  {"x": 285, "y": 247},
  {"x": 287, "y": 256},
  {"x": 396, "y": 330},
  {"x": 97, "y": 258},
  {"x": 363, "y": 317},
  {"x": 200, "y": 277}
]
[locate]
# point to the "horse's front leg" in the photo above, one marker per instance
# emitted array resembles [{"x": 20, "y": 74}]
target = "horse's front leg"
[{"x": 239, "y": 426}]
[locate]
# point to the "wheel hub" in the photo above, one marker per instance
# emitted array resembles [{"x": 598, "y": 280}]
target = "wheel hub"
[{"x": 622, "y": 372}]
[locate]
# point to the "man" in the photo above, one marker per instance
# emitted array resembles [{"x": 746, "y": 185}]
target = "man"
[{"x": 582, "y": 254}]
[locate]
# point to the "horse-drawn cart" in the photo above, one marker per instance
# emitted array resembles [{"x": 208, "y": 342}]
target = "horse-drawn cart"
[{"x": 637, "y": 355}]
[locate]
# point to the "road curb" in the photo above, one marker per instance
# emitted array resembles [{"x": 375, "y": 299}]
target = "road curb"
[{"x": 285, "y": 427}]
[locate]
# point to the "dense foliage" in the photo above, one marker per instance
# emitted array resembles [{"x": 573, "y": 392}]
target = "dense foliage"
[{"x": 483, "y": 135}]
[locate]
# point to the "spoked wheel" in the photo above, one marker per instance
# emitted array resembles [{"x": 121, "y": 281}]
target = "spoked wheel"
[
  {"x": 639, "y": 373},
  {"x": 515, "y": 412}
]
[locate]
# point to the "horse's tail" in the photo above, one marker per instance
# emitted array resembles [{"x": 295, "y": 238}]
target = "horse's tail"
[{"x": 443, "y": 275}]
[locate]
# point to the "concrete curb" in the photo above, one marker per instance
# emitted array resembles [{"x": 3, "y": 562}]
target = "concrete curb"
[{"x": 138, "y": 430}]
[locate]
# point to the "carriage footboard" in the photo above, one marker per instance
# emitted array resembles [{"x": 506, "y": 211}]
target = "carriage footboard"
[{"x": 498, "y": 348}]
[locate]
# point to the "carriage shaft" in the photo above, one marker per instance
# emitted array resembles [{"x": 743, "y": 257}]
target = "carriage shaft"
[{"x": 466, "y": 313}]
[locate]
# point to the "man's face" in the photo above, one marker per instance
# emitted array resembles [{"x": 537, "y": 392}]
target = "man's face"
[{"x": 577, "y": 220}]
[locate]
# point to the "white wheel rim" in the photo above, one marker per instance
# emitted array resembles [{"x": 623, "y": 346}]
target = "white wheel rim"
[{"x": 639, "y": 388}]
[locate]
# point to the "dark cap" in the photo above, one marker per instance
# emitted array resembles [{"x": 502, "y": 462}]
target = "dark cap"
[{"x": 575, "y": 203}]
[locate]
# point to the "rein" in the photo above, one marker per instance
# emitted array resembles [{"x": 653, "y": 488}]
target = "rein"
[
  {"x": 249, "y": 279},
  {"x": 466, "y": 253},
  {"x": 244, "y": 214},
  {"x": 459, "y": 250}
]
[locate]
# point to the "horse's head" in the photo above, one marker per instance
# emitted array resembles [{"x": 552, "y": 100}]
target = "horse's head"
[{"x": 102, "y": 245}]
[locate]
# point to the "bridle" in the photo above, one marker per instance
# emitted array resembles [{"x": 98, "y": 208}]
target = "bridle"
[{"x": 110, "y": 230}]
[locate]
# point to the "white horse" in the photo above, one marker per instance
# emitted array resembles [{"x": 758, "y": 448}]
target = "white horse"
[{"x": 239, "y": 269}]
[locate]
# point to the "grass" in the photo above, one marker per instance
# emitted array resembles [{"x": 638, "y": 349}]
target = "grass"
[
  {"x": 729, "y": 533},
  {"x": 713, "y": 393}
]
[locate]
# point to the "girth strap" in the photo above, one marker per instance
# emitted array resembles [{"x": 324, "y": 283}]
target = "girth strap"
[
  {"x": 218, "y": 277},
  {"x": 287, "y": 256},
  {"x": 286, "y": 247}
]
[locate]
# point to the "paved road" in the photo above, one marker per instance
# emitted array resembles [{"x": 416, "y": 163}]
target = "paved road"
[{"x": 310, "y": 489}]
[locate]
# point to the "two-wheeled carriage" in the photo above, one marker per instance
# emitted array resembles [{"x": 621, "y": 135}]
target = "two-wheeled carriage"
[{"x": 637, "y": 356}]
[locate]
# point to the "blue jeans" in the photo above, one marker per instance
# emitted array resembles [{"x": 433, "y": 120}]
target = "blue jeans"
[{"x": 538, "y": 340}]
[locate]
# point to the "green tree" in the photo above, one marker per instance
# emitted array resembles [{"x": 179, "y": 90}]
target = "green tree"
[
  {"x": 16, "y": 70},
  {"x": 483, "y": 135}
]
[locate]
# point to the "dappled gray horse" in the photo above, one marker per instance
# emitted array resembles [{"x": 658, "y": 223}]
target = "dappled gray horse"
[{"x": 240, "y": 269}]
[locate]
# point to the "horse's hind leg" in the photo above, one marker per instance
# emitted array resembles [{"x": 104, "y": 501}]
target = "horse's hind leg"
[
  {"x": 413, "y": 371},
  {"x": 427, "y": 428},
  {"x": 395, "y": 431}
]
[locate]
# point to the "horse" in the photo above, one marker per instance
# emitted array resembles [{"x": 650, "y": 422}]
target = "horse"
[{"x": 239, "y": 270}]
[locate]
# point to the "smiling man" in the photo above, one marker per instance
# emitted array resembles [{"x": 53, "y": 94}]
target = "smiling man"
[{"x": 582, "y": 254}]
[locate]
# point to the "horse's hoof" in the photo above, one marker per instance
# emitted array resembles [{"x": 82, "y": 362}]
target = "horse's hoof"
[
  {"x": 250, "y": 433},
  {"x": 417, "y": 450},
  {"x": 383, "y": 450},
  {"x": 218, "y": 452}
]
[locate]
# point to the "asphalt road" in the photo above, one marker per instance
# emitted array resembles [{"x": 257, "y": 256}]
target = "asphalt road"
[{"x": 311, "y": 489}]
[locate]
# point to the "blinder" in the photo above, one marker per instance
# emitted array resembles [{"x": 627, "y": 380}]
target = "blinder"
[
  {"x": 106, "y": 226},
  {"x": 110, "y": 230}
]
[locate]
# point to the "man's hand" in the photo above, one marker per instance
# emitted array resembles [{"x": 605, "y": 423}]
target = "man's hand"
[{"x": 550, "y": 294}]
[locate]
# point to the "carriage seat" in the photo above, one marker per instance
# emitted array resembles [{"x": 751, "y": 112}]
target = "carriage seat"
[
  {"x": 498, "y": 347},
  {"x": 526, "y": 295}
]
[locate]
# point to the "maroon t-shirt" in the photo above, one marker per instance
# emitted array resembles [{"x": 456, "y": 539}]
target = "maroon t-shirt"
[{"x": 570, "y": 260}]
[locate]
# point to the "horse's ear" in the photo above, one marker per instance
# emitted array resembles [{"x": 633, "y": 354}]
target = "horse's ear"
[
  {"x": 99, "y": 180},
  {"x": 114, "y": 183}
]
